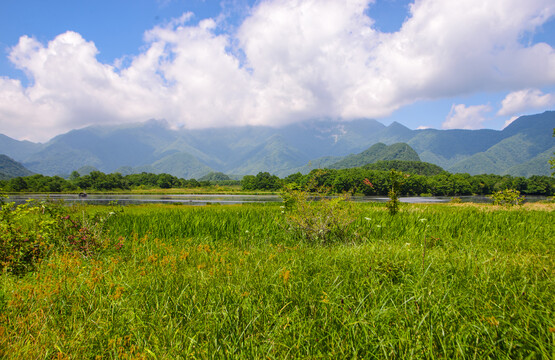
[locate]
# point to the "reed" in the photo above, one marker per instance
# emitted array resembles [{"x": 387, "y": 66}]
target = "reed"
[{"x": 432, "y": 281}]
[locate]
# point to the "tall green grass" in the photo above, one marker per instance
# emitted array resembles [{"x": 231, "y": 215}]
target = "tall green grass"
[
  {"x": 252, "y": 225},
  {"x": 434, "y": 281}
]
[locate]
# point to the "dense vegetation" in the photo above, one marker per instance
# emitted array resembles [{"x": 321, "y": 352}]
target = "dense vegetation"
[
  {"x": 434, "y": 281},
  {"x": 337, "y": 181},
  {"x": 443, "y": 184},
  {"x": 98, "y": 181},
  {"x": 215, "y": 176},
  {"x": 409, "y": 167}
]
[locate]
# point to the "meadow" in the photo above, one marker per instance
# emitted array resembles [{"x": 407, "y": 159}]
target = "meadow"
[{"x": 170, "y": 282}]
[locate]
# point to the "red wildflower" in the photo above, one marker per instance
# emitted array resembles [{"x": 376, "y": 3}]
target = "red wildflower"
[{"x": 368, "y": 183}]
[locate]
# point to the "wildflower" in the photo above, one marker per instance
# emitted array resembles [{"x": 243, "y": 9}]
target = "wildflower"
[
  {"x": 378, "y": 226},
  {"x": 368, "y": 183},
  {"x": 368, "y": 219},
  {"x": 118, "y": 293},
  {"x": 493, "y": 321},
  {"x": 286, "y": 275},
  {"x": 423, "y": 220}
]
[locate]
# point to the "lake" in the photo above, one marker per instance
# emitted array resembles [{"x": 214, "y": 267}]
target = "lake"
[{"x": 206, "y": 199}]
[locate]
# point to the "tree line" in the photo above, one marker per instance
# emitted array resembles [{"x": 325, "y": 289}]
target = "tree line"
[
  {"x": 97, "y": 181},
  {"x": 335, "y": 181},
  {"x": 443, "y": 184}
]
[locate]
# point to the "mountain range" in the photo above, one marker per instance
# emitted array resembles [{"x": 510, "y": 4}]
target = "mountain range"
[
  {"x": 522, "y": 149},
  {"x": 9, "y": 168}
]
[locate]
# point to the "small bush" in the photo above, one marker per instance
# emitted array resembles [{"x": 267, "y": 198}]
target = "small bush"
[
  {"x": 317, "y": 218},
  {"x": 30, "y": 232},
  {"x": 396, "y": 178},
  {"x": 507, "y": 197}
]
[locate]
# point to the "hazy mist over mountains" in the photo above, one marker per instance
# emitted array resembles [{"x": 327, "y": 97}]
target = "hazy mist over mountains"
[{"x": 521, "y": 149}]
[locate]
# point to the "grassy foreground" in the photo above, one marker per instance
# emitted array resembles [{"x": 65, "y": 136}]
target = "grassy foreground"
[{"x": 435, "y": 281}]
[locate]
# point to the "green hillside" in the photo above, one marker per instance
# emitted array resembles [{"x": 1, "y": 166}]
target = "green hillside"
[
  {"x": 538, "y": 165},
  {"x": 17, "y": 150},
  {"x": 526, "y": 146},
  {"x": 215, "y": 176},
  {"x": 9, "y": 168},
  {"x": 275, "y": 155},
  {"x": 377, "y": 152},
  {"x": 320, "y": 163},
  {"x": 61, "y": 159},
  {"x": 182, "y": 165},
  {"x": 409, "y": 167}
]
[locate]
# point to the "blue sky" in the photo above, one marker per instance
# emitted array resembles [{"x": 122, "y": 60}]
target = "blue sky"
[{"x": 427, "y": 63}]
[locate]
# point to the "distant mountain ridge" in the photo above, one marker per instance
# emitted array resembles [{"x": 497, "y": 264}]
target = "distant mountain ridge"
[
  {"x": 9, "y": 168},
  {"x": 377, "y": 152},
  {"x": 522, "y": 148}
]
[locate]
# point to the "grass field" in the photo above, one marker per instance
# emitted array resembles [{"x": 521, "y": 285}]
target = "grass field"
[{"x": 435, "y": 281}]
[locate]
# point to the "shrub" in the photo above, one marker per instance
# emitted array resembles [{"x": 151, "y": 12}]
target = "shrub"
[
  {"x": 396, "y": 178},
  {"x": 507, "y": 197},
  {"x": 317, "y": 218},
  {"x": 31, "y": 231}
]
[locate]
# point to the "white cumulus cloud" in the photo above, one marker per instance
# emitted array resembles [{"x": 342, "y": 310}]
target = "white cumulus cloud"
[
  {"x": 289, "y": 60},
  {"x": 466, "y": 117},
  {"x": 524, "y": 100}
]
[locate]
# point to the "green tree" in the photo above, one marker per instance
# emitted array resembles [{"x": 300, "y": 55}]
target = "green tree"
[
  {"x": 262, "y": 181},
  {"x": 396, "y": 179},
  {"x": 17, "y": 184},
  {"x": 165, "y": 181},
  {"x": 74, "y": 175}
]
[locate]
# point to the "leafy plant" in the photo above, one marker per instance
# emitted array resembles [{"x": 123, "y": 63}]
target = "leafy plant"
[
  {"x": 396, "y": 178},
  {"x": 31, "y": 231},
  {"x": 507, "y": 197},
  {"x": 317, "y": 218}
]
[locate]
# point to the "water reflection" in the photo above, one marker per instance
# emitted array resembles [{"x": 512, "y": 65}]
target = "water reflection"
[
  {"x": 129, "y": 199},
  {"x": 206, "y": 199}
]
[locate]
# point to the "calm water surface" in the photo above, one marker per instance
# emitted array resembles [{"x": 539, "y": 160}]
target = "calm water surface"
[{"x": 191, "y": 199}]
